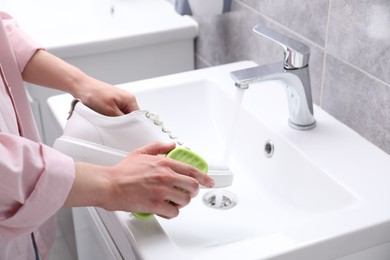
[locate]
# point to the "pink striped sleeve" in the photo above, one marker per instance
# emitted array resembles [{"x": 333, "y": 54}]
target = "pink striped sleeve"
[
  {"x": 35, "y": 187},
  {"x": 22, "y": 44}
]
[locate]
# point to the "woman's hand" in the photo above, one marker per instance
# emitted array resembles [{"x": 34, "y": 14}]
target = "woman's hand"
[
  {"x": 106, "y": 99},
  {"x": 142, "y": 182}
]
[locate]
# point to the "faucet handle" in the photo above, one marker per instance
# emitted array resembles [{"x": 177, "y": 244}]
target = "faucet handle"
[{"x": 296, "y": 53}]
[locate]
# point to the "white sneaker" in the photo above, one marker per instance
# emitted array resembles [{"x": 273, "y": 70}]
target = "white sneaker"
[{"x": 93, "y": 137}]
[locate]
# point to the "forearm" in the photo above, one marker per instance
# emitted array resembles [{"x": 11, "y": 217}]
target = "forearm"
[
  {"x": 48, "y": 70},
  {"x": 90, "y": 186}
]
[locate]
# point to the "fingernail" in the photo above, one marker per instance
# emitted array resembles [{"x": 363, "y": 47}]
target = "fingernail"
[{"x": 211, "y": 183}]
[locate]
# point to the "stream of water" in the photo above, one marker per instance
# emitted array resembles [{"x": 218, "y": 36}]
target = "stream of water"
[{"x": 233, "y": 125}]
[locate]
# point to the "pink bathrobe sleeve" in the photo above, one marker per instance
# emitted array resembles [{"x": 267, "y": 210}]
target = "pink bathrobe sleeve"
[{"x": 34, "y": 178}]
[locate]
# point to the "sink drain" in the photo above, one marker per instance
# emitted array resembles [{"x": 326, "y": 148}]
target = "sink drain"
[
  {"x": 269, "y": 149},
  {"x": 220, "y": 199}
]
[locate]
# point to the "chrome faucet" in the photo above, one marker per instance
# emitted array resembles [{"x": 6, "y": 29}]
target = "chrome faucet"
[{"x": 293, "y": 72}]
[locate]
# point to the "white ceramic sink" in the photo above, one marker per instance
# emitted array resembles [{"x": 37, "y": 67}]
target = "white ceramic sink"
[{"x": 322, "y": 195}]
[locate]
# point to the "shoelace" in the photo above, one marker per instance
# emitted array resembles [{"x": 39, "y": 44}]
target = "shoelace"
[{"x": 158, "y": 122}]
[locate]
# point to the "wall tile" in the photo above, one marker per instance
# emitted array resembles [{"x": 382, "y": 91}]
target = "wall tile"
[
  {"x": 359, "y": 32},
  {"x": 359, "y": 101},
  {"x": 306, "y": 17},
  {"x": 200, "y": 63},
  {"x": 229, "y": 38}
]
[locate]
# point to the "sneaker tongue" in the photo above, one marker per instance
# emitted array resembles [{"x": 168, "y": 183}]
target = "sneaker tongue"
[{"x": 189, "y": 157}]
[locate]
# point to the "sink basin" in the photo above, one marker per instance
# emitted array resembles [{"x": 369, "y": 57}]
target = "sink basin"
[{"x": 318, "y": 194}]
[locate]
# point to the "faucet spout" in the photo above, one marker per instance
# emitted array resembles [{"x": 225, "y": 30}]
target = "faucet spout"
[
  {"x": 243, "y": 78},
  {"x": 293, "y": 72},
  {"x": 297, "y": 84}
]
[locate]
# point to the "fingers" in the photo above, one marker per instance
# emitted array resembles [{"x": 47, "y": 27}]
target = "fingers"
[
  {"x": 179, "y": 198},
  {"x": 171, "y": 208},
  {"x": 155, "y": 148},
  {"x": 112, "y": 101},
  {"x": 185, "y": 184},
  {"x": 129, "y": 104},
  {"x": 175, "y": 199},
  {"x": 124, "y": 104},
  {"x": 190, "y": 172},
  {"x": 179, "y": 167}
]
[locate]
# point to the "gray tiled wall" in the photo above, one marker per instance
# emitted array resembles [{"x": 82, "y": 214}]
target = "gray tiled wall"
[{"x": 350, "y": 46}]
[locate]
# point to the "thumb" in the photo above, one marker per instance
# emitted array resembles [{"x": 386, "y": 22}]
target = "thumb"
[{"x": 155, "y": 148}]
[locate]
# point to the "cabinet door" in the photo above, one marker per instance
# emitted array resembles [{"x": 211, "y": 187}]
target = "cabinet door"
[{"x": 92, "y": 239}]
